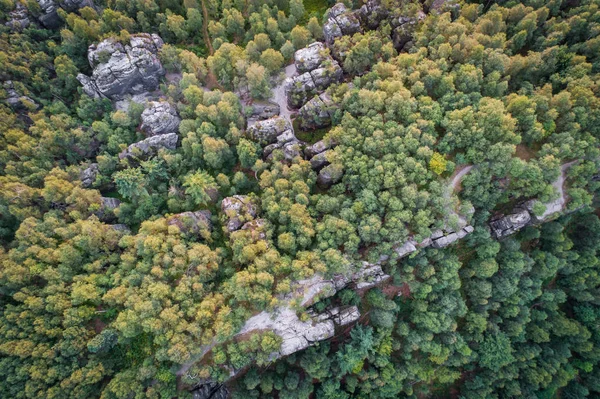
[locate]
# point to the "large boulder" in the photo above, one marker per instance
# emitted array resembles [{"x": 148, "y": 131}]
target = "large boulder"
[
  {"x": 403, "y": 30},
  {"x": 267, "y": 131},
  {"x": 311, "y": 57},
  {"x": 18, "y": 19},
  {"x": 150, "y": 146},
  {"x": 340, "y": 21},
  {"x": 372, "y": 13},
  {"x": 192, "y": 222},
  {"x": 318, "y": 147},
  {"x": 88, "y": 175},
  {"x": 210, "y": 390},
  {"x": 506, "y": 225},
  {"x": 329, "y": 175},
  {"x": 287, "y": 142},
  {"x": 238, "y": 210},
  {"x": 261, "y": 110},
  {"x": 17, "y": 100},
  {"x": 120, "y": 69},
  {"x": 299, "y": 89},
  {"x": 317, "y": 113},
  {"x": 159, "y": 118},
  {"x": 108, "y": 205}
]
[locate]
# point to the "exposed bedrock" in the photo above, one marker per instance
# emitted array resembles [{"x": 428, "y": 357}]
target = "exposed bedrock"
[
  {"x": 18, "y": 19},
  {"x": 266, "y": 131},
  {"x": 49, "y": 10},
  {"x": 317, "y": 112},
  {"x": 340, "y": 21},
  {"x": 159, "y": 117},
  {"x": 192, "y": 222},
  {"x": 150, "y": 146},
  {"x": 121, "y": 70},
  {"x": 17, "y": 100},
  {"x": 238, "y": 211},
  {"x": 88, "y": 175},
  {"x": 261, "y": 110},
  {"x": 299, "y": 89}
]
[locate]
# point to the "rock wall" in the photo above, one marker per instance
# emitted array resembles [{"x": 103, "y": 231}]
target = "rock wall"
[{"x": 121, "y": 70}]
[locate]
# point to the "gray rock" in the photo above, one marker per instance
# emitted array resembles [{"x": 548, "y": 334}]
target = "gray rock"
[
  {"x": 122, "y": 228},
  {"x": 88, "y": 175},
  {"x": 267, "y": 131},
  {"x": 120, "y": 69},
  {"x": 404, "y": 28},
  {"x": 369, "y": 276},
  {"x": 49, "y": 15},
  {"x": 445, "y": 240},
  {"x": 210, "y": 390},
  {"x": 150, "y": 146},
  {"x": 372, "y": 13},
  {"x": 509, "y": 224},
  {"x": 311, "y": 57},
  {"x": 317, "y": 113},
  {"x": 331, "y": 31},
  {"x": 345, "y": 316},
  {"x": 340, "y": 22},
  {"x": 261, "y": 110},
  {"x": 348, "y": 23},
  {"x": 192, "y": 222},
  {"x": 18, "y": 19},
  {"x": 318, "y": 147},
  {"x": 107, "y": 209},
  {"x": 326, "y": 75},
  {"x": 319, "y": 161},
  {"x": 125, "y": 103},
  {"x": 405, "y": 249},
  {"x": 337, "y": 10},
  {"x": 16, "y": 100},
  {"x": 299, "y": 89},
  {"x": 329, "y": 175},
  {"x": 238, "y": 210},
  {"x": 159, "y": 118}
]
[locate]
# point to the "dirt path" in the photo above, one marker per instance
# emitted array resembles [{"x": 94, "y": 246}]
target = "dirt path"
[
  {"x": 559, "y": 185},
  {"x": 279, "y": 93},
  {"x": 458, "y": 175},
  {"x": 211, "y": 51}
]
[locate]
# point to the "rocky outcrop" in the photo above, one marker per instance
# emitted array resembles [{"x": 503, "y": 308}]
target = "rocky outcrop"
[
  {"x": 238, "y": 210},
  {"x": 106, "y": 213},
  {"x": 49, "y": 10},
  {"x": 210, "y": 390},
  {"x": 330, "y": 175},
  {"x": 16, "y": 100},
  {"x": 340, "y": 21},
  {"x": 311, "y": 57},
  {"x": 403, "y": 30},
  {"x": 122, "y": 228},
  {"x": 299, "y": 89},
  {"x": 159, "y": 117},
  {"x": 506, "y": 225},
  {"x": 372, "y": 13},
  {"x": 120, "y": 69},
  {"x": 150, "y": 146},
  {"x": 288, "y": 143},
  {"x": 88, "y": 175},
  {"x": 192, "y": 222},
  {"x": 261, "y": 110},
  {"x": 317, "y": 113},
  {"x": 18, "y": 19},
  {"x": 267, "y": 131}
]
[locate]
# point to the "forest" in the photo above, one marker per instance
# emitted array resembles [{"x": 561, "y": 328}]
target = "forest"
[{"x": 213, "y": 199}]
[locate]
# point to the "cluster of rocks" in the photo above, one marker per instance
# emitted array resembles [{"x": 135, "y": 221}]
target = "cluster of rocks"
[
  {"x": 505, "y": 225},
  {"x": 16, "y": 100},
  {"x": 159, "y": 117},
  {"x": 275, "y": 133},
  {"x": 261, "y": 110},
  {"x": 317, "y": 112},
  {"x": 108, "y": 205},
  {"x": 340, "y": 21},
  {"x": 88, "y": 175},
  {"x": 317, "y": 71},
  {"x": 238, "y": 210},
  {"x": 20, "y": 18},
  {"x": 150, "y": 146},
  {"x": 192, "y": 222},
  {"x": 318, "y": 154},
  {"x": 120, "y": 70}
]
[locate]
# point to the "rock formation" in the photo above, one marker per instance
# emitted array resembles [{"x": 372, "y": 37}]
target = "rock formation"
[
  {"x": 159, "y": 118},
  {"x": 16, "y": 100},
  {"x": 403, "y": 30},
  {"x": 107, "y": 209},
  {"x": 340, "y": 21},
  {"x": 120, "y": 69},
  {"x": 330, "y": 175},
  {"x": 88, "y": 175},
  {"x": 261, "y": 110},
  {"x": 238, "y": 210},
  {"x": 310, "y": 57},
  {"x": 150, "y": 146},
  {"x": 506, "y": 225},
  {"x": 288, "y": 143},
  {"x": 18, "y": 19},
  {"x": 317, "y": 113},
  {"x": 49, "y": 10},
  {"x": 192, "y": 222},
  {"x": 267, "y": 131},
  {"x": 372, "y": 14},
  {"x": 299, "y": 89}
]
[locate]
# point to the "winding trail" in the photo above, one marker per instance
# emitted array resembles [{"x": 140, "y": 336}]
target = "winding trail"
[
  {"x": 457, "y": 178},
  {"x": 558, "y": 204},
  {"x": 279, "y": 96}
]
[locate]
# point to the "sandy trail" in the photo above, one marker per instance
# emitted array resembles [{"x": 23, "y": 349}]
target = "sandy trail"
[{"x": 279, "y": 96}]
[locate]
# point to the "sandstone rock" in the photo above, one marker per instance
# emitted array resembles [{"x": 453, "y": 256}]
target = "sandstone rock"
[
  {"x": 18, "y": 19},
  {"x": 318, "y": 147},
  {"x": 192, "y": 222},
  {"x": 311, "y": 57},
  {"x": 406, "y": 249},
  {"x": 261, "y": 110},
  {"x": 340, "y": 22},
  {"x": 122, "y": 228},
  {"x": 372, "y": 13},
  {"x": 107, "y": 209},
  {"x": 319, "y": 161},
  {"x": 509, "y": 224},
  {"x": 210, "y": 390},
  {"x": 16, "y": 100},
  {"x": 369, "y": 276},
  {"x": 238, "y": 210},
  {"x": 125, "y": 103},
  {"x": 403, "y": 29},
  {"x": 150, "y": 146},
  {"x": 331, "y": 31},
  {"x": 344, "y": 316},
  {"x": 267, "y": 131},
  {"x": 88, "y": 175},
  {"x": 299, "y": 89},
  {"x": 317, "y": 113},
  {"x": 337, "y": 10},
  {"x": 329, "y": 175},
  {"x": 159, "y": 118},
  {"x": 123, "y": 69}
]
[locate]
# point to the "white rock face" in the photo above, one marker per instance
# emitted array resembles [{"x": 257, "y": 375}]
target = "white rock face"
[
  {"x": 299, "y": 89},
  {"x": 120, "y": 69},
  {"x": 310, "y": 57},
  {"x": 267, "y": 131},
  {"x": 88, "y": 175},
  {"x": 150, "y": 146},
  {"x": 159, "y": 118},
  {"x": 510, "y": 224}
]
